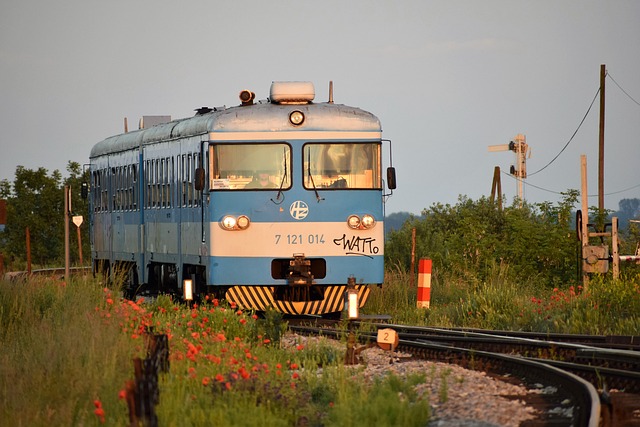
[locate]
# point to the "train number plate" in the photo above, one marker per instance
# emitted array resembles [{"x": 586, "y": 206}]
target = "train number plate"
[{"x": 299, "y": 239}]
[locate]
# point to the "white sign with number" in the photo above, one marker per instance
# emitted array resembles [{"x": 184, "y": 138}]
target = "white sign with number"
[
  {"x": 77, "y": 220},
  {"x": 387, "y": 339}
]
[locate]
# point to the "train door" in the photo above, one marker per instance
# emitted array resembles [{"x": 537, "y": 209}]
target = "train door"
[{"x": 190, "y": 214}]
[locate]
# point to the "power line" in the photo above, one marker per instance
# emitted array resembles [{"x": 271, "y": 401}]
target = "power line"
[
  {"x": 560, "y": 193},
  {"x": 572, "y": 136},
  {"x": 620, "y": 87},
  {"x": 622, "y": 191},
  {"x": 529, "y": 184}
]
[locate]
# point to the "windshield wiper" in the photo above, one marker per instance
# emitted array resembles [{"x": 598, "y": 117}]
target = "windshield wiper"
[
  {"x": 318, "y": 198},
  {"x": 284, "y": 177}
]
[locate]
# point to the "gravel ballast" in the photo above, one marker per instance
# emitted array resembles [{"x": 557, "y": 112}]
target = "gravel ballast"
[{"x": 458, "y": 396}]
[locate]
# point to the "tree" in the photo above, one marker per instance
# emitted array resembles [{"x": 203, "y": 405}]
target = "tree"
[{"x": 36, "y": 200}]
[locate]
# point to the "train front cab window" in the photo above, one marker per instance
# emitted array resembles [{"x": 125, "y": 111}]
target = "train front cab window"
[
  {"x": 342, "y": 166},
  {"x": 254, "y": 166}
]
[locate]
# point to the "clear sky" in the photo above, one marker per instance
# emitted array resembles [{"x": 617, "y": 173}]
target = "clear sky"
[{"x": 446, "y": 78}]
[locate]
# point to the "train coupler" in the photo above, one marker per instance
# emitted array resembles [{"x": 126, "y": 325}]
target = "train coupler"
[{"x": 300, "y": 271}]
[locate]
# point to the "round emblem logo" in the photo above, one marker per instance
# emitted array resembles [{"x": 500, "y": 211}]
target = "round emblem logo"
[{"x": 299, "y": 210}]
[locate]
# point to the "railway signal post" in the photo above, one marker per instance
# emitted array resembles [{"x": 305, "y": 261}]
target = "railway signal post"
[{"x": 520, "y": 147}]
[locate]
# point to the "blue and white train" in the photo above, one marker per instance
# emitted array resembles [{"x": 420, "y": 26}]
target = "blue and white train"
[{"x": 275, "y": 203}]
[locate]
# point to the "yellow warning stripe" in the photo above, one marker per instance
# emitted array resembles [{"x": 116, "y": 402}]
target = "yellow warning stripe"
[{"x": 261, "y": 297}]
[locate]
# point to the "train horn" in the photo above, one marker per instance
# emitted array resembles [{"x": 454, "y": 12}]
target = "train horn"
[{"x": 247, "y": 97}]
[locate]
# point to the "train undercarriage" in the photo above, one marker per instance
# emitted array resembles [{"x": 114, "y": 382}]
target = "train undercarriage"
[{"x": 299, "y": 296}]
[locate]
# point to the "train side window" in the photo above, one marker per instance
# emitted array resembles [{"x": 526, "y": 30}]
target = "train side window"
[
  {"x": 119, "y": 185},
  {"x": 116, "y": 186},
  {"x": 149, "y": 183},
  {"x": 100, "y": 177},
  {"x": 112, "y": 181},
  {"x": 134, "y": 189},
  {"x": 123, "y": 192},
  {"x": 130, "y": 183},
  {"x": 95, "y": 188},
  {"x": 170, "y": 164},
  {"x": 184, "y": 180},
  {"x": 155, "y": 183},
  {"x": 158, "y": 183},
  {"x": 161, "y": 184},
  {"x": 147, "y": 176},
  {"x": 189, "y": 183}
]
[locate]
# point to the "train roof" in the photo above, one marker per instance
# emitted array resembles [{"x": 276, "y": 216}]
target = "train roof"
[{"x": 271, "y": 115}]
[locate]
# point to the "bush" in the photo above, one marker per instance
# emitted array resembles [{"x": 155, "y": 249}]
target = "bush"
[{"x": 471, "y": 238}]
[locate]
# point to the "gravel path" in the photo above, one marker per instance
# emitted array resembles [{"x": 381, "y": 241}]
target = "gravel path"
[{"x": 458, "y": 397}]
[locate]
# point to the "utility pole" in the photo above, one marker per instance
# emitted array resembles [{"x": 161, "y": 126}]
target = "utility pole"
[{"x": 603, "y": 75}]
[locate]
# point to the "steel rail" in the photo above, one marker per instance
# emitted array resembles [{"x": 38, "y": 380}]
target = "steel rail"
[
  {"x": 55, "y": 271},
  {"x": 582, "y": 392}
]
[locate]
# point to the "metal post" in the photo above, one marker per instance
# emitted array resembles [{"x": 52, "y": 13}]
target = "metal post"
[
  {"x": 585, "y": 216},
  {"x": 80, "y": 246},
  {"x": 413, "y": 257},
  {"x": 614, "y": 248},
  {"x": 28, "y": 237},
  {"x": 67, "y": 207}
]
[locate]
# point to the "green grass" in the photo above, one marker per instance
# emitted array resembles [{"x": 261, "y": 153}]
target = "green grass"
[
  {"x": 59, "y": 353},
  {"x": 67, "y": 351},
  {"x": 606, "y": 307}
]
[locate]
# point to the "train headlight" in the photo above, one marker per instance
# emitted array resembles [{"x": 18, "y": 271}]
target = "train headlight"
[
  {"x": 243, "y": 222},
  {"x": 354, "y": 221},
  {"x": 368, "y": 221},
  {"x": 230, "y": 222},
  {"x": 296, "y": 117}
]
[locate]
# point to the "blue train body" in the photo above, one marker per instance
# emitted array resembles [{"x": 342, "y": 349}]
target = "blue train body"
[{"x": 277, "y": 203}]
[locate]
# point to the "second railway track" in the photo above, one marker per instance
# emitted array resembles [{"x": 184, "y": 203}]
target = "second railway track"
[{"x": 590, "y": 384}]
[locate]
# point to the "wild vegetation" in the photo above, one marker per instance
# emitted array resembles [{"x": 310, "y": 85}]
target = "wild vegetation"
[
  {"x": 510, "y": 269},
  {"x": 68, "y": 349},
  {"x": 35, "y": 199}
]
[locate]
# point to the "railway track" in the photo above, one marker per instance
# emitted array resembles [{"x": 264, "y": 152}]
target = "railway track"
[
  {"x": 592, "y": 383},
  {"x": 56, "y": 271}
]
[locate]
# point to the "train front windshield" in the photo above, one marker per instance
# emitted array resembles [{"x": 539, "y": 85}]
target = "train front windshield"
[
  {"x": 259, "y": 166},
  {"x": 346, "y": 165},
  {"x": 250, "y": 166}
]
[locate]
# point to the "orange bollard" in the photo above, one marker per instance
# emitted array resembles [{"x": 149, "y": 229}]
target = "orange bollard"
[{"x": 424, "y": 283}]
